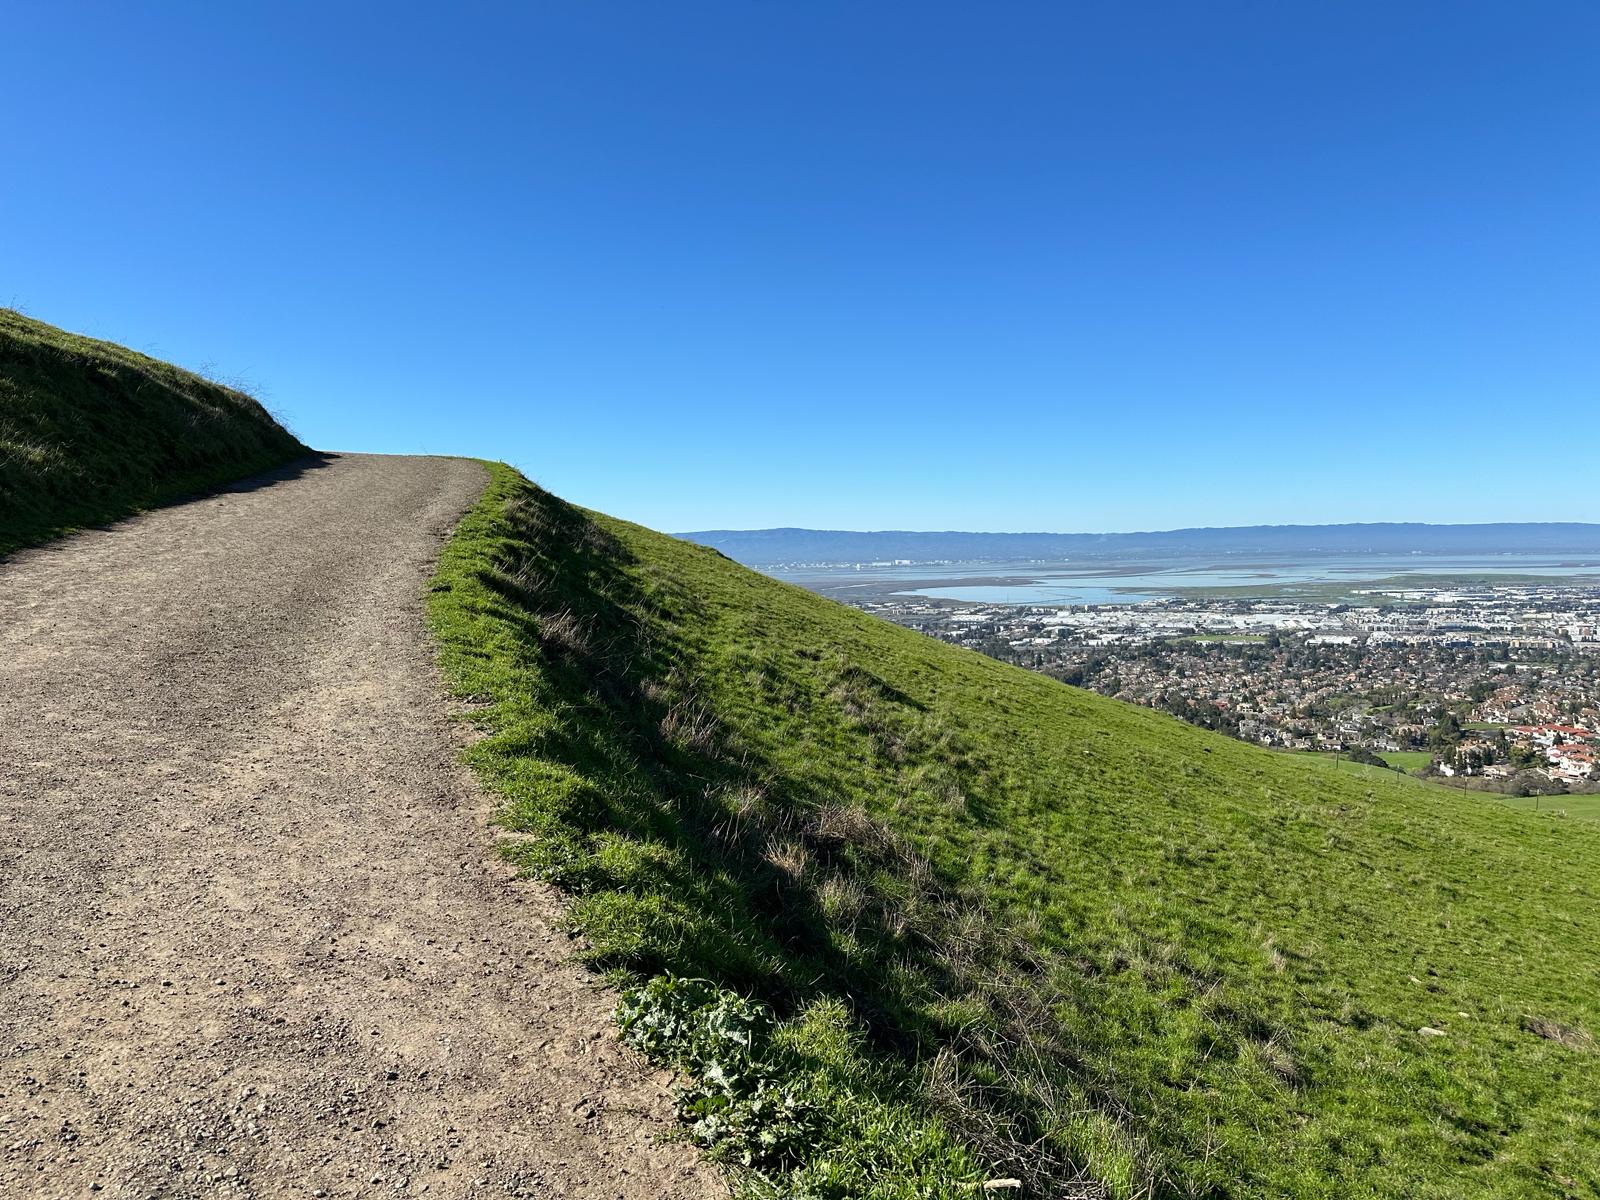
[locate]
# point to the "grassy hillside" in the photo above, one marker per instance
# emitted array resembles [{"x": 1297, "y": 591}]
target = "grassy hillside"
[
  {"x": 90, "y": 432},
  {"x": 981, "y": 925}
]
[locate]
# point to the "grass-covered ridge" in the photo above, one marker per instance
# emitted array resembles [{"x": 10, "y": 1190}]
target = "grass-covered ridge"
[
  {"x": 1010, "y": 928},
  {"x": 91, "y": 432}
]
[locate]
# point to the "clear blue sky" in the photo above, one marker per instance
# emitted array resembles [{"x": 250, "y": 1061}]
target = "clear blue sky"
[{"x": 924, "y": 265}]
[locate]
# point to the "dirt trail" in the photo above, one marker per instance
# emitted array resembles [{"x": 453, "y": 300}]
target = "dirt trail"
[{"x": 253, "y": 941}]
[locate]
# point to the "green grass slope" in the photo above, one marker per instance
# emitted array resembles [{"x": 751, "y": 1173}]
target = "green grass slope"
[
  {"x": 995, "y": 926},
  {"x": 91, "y": 432}
]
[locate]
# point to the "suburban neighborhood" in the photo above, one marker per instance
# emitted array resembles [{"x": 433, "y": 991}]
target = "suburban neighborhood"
[{"x": 1495, "y": 686}]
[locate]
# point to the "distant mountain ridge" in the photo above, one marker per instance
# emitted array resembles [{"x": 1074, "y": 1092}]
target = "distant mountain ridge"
[{"x": 760, "y": 547}]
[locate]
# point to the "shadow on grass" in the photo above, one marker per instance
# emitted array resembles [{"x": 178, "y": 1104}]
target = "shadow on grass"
[{"x": 690, "y": 852}]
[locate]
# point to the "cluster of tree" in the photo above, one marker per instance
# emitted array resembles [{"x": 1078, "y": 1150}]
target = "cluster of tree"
[
  {"x": 1199, "y": 712},
  {"x": 1362, "y": 754}
]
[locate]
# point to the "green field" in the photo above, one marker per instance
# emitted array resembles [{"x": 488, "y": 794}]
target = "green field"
[
  {"x": 1582, "y": 807},
  {"x": 91, "y": 432},
  {"x": 1407, "y": 760},
  {"x": 1338, "y": 761},
  {"x": 1007, "y": 927}
]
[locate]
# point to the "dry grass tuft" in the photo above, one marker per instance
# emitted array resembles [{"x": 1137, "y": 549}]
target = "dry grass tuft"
[
  {"x": 690, "y": 725},
  {"x": 564, "y": 632},
  {"x": 1573, "y": 1037},
  {"x": 789, "y": 857}
]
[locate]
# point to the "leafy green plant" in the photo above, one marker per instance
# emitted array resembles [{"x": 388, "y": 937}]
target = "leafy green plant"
[{"x": 737, "y": 1100}]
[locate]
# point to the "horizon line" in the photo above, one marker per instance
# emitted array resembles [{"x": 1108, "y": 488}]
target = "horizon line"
[{"x": 1150, "y": 532}]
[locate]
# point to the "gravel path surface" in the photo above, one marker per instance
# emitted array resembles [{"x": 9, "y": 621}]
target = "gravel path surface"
[{"x": 253, "y": 940}]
